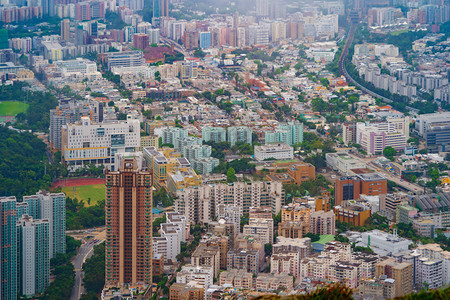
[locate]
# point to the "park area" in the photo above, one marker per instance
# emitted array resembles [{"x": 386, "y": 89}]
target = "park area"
[
  {"x": 88, "y": 190},
  {"x": 12, "y": 108}
]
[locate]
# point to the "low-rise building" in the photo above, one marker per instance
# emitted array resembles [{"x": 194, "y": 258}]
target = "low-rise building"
[
  {"x": 186, "y": 291},
  {"x": 352, "y": 213},
  {"x": 343, "y": 162},
  {"x": 237, "y": 278},
  {"x": 203, "y": 276},
  {"x": 384, "y": 243},
  {"x": 274, "y": 151},
  {"x": 274, "y": 282}
]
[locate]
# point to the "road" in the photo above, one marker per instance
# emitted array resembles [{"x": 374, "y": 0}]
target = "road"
[
  {"x": 343, "y": 70},
  {"x": 417, "y": 189},
  {"x": 176, "y": 46},
  {"x": 402, "y": 183},
  {"x": 86, "y": 250}
]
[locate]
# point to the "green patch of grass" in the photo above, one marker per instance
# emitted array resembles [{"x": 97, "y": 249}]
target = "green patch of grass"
[
  {"x": 12, "y": 108},
  {"x": 399, "y": 32},
  {"x": 95, "y": 192},
  {"x": 326, "y": 238}
]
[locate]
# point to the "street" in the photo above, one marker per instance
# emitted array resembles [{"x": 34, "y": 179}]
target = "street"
[
  {"x": 417, "y": 189},
  {"x": 86, "y": 250}
]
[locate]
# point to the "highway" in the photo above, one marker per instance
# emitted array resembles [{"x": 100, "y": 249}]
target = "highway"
[
  {"x": 176, "y": 46},
  {"x": 343, "y": 70},
  {"x": 417, "y": 189}
]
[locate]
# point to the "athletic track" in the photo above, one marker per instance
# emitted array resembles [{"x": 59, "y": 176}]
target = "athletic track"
[{"x": 77, "y": 182}]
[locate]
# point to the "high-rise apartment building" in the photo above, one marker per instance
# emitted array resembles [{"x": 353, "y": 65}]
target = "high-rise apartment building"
[
  {"x": 129, "y": 225},
  {"x": 215, "y": 134},
  {"x": 322, "y": 222},
  {"x": 262, "y": 8},
  {"x": 199, "y": 204},
  {"x": 65, "y": 30},
  {"x": 239, "y": 134},
  {"x": 174, "y": 136},
  {"x": 164, "y": 8},
  {"x": 160, "y": 8},
  {"x": 402, "y": 273},
  {"x": 52, "y": 207},
  {"x": 290, "y": 133},
  {"x": 8, "y": 251},
  {"x": 33, "y": 255},
  {"x": 141, "y": 41}
]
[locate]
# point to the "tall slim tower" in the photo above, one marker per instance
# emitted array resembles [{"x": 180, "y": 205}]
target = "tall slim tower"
[
  {"x": 262, "y": 8},
  {"x": 164, "y": 9},
  {"x": 34, "y": 255},
  {"x": 8, "y": 248},
  {"x": 156, "y": 8},
  {"x": 65, "y": 30},
  {"x": 129, "y": 224}
]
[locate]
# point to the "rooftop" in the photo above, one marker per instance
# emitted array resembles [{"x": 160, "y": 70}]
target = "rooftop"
[{"x": 371, "y": 177}]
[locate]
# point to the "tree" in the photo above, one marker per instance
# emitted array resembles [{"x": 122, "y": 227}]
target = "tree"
[
  {"x": 158, "y": 76},
  {"x": 342, "y": 239},
  {"x": 94, "y": 270},
  {"x": 318, "y": 104},
  {"x": 111, "y": 103},
  {"x": 199, "y": 53},
  {"x": 325, "y": 82},
  {"x": 413, "y": 141},
  {"x": 231, "y": 175},
  {"x": 314, "y": 237},
  {"x": 389, "y": 153},
  {"x": 268, "y": 249}
]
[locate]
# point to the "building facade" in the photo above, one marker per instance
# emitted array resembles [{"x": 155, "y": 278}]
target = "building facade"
[
  {"x": 87, "y": 142},
  {"x": 129, "y": 225},
  {"x": 34, "y": 255}
]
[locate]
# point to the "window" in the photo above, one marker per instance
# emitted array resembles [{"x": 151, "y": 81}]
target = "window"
[{"x": 117, "y": 140}]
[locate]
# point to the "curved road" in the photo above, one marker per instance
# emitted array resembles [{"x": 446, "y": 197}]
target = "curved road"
[
  {"x": 343, "y": 70},
  {"x": 86, "y": 250}
]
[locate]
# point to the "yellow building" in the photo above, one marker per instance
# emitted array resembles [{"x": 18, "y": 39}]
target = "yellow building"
[
  {"x": 151, "y": 126},
  {"x": 295, "y": 213},
  {"x": 182, "y": 178},
  {"x": 148, "y": 141},
  {"x": 166, "y": 162}
]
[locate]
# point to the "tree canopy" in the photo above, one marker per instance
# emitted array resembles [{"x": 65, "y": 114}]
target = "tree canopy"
[{"x": 22, "y": 164}]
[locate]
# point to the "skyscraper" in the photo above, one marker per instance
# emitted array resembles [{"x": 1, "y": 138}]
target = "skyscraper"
[
  {"x": 160, "y": 8},
  {"x": 34, "y": 255},
  {"x": 262, "y": 8},
  {"x": 129, "y": 224},
  {"x": 156, "y": 8},
  {"x": 164, "y": 9},
  {"x": 8, "y": 249},
  {"x": 50, "y": 206},
  {"x": 48, "y": 7},
  {"x": 65, "y": 30}
]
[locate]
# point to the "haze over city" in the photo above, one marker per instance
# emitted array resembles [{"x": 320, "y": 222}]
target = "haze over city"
[{"x": 200, "y": 150}]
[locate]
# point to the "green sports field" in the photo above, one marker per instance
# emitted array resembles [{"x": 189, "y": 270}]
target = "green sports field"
[
  {"x": 326, "y": 238},
  {"x": 96, "y": 192},
  {"x": 11, "y": 108}
]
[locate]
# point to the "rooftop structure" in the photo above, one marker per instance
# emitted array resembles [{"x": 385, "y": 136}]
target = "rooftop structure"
[{"x": 384, "y": 243}]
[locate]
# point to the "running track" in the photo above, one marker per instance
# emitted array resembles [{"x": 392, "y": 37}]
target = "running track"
[{"x": 77, "y": 182}]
